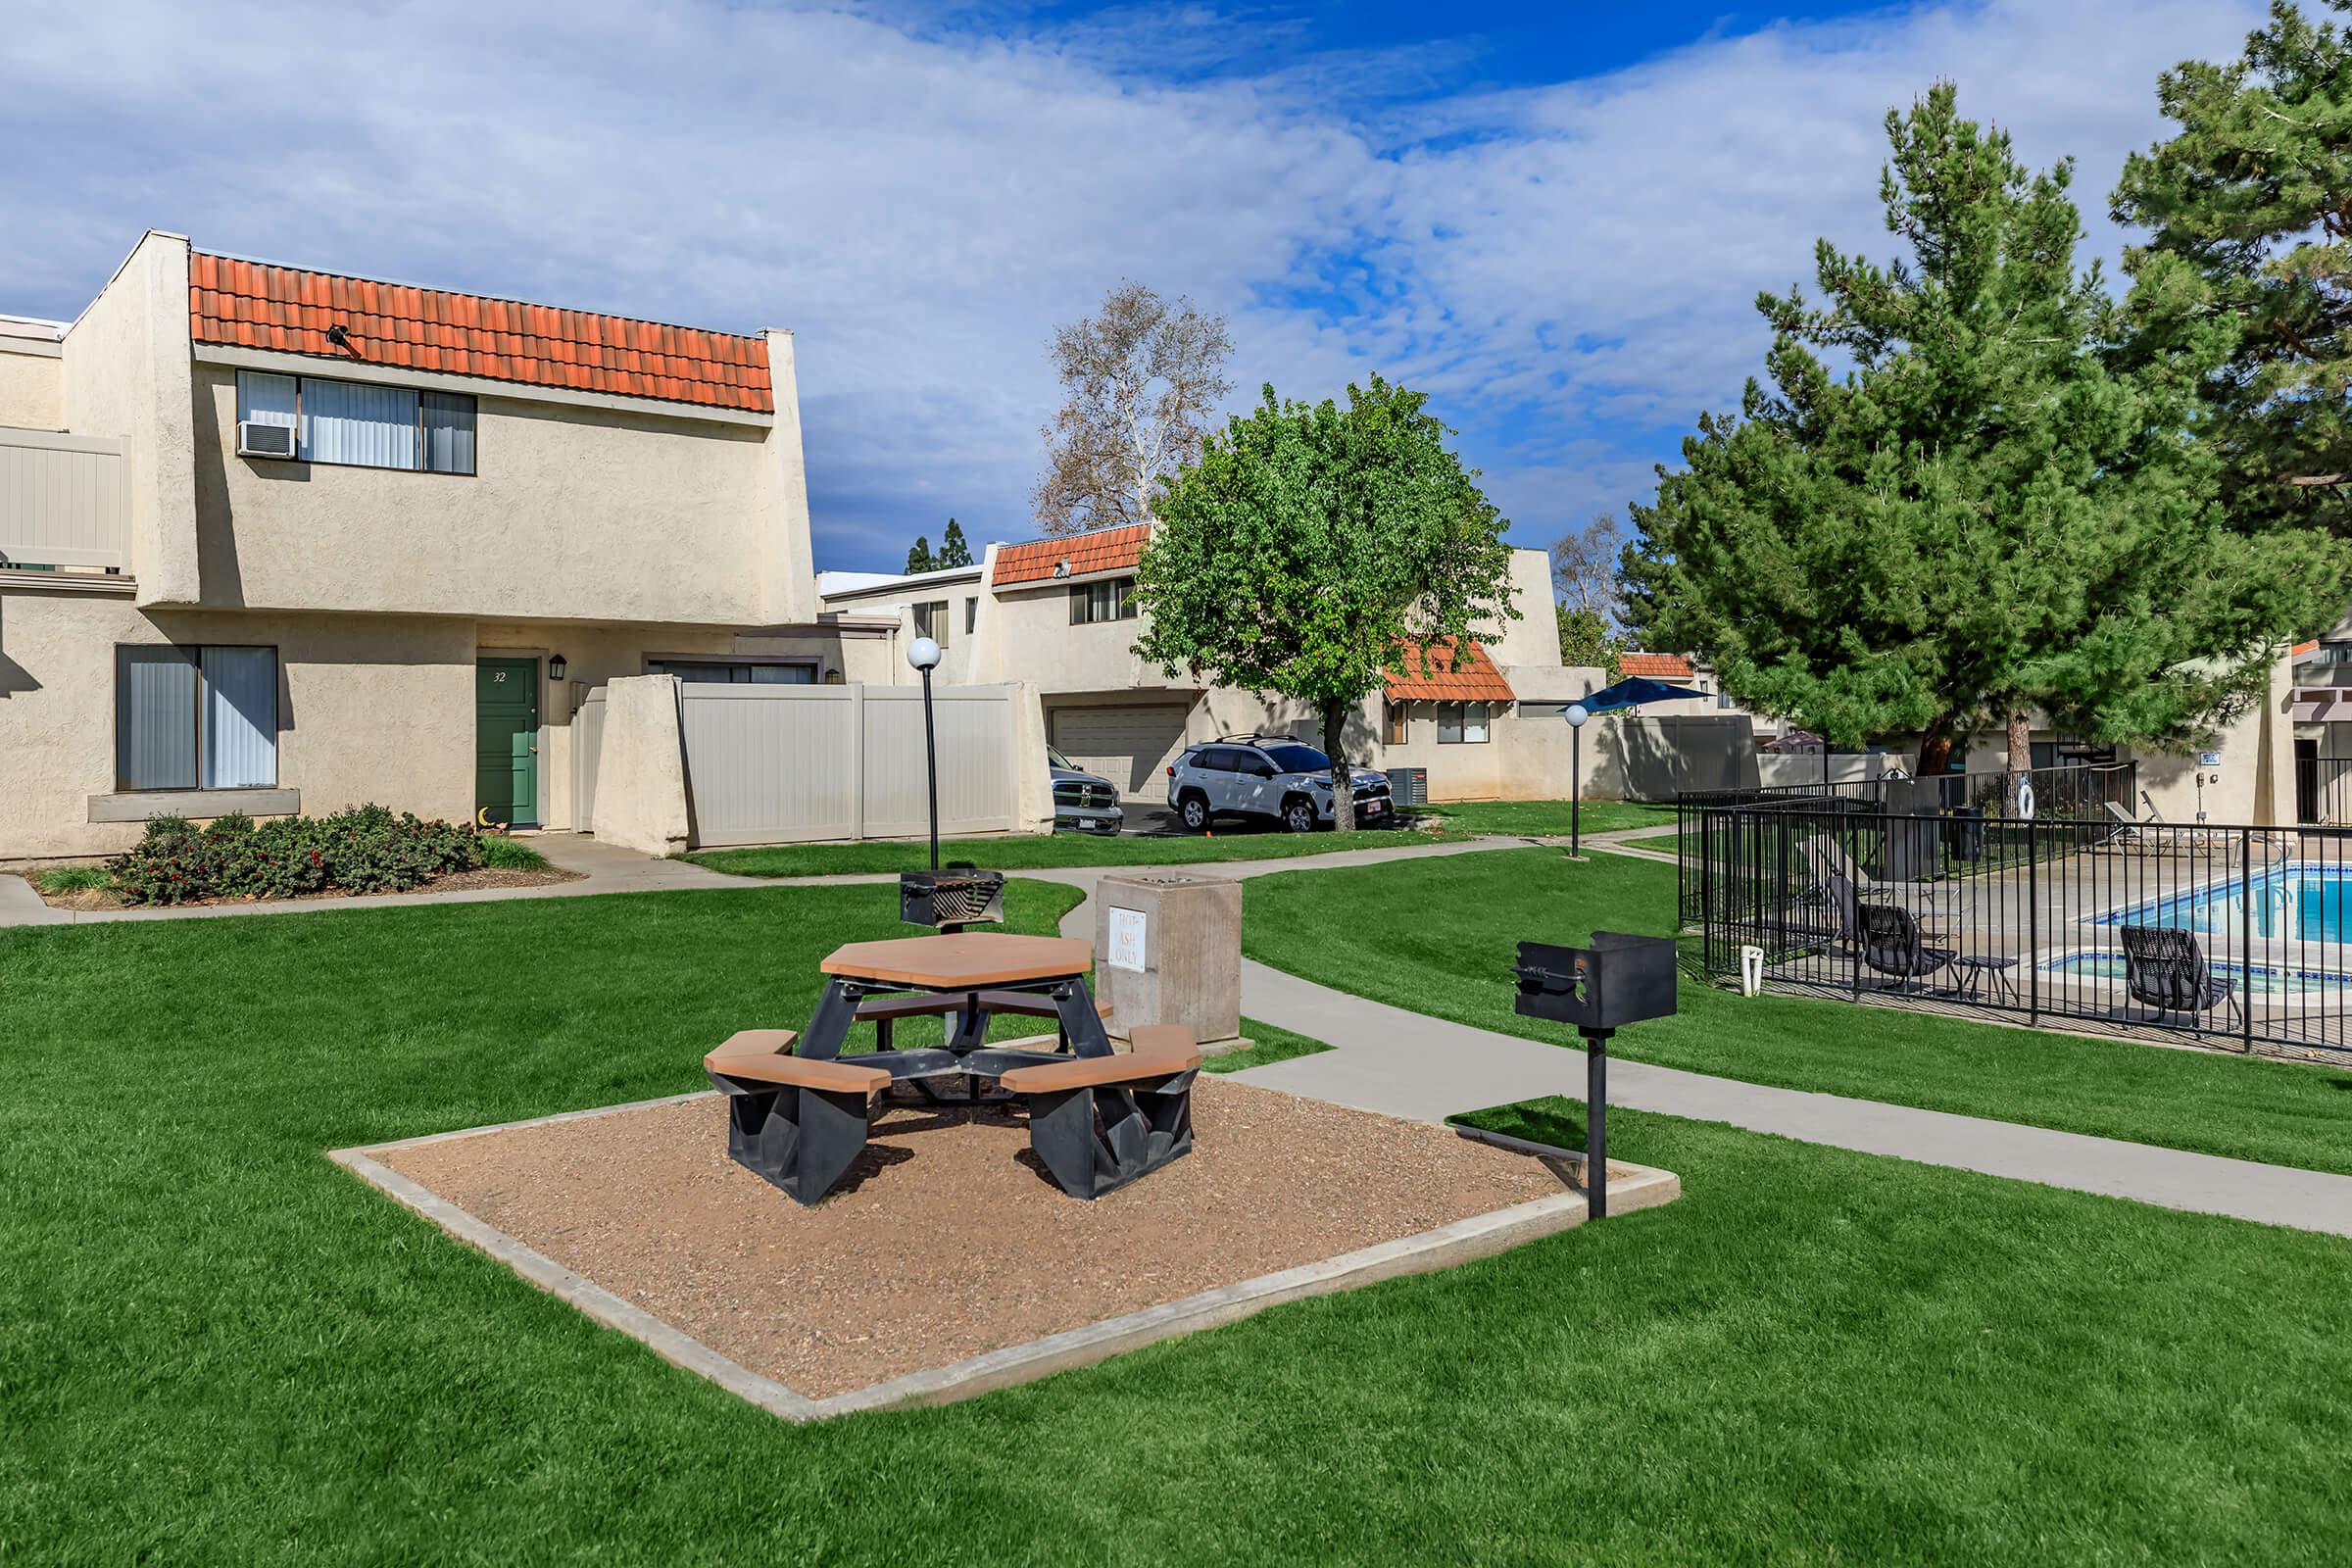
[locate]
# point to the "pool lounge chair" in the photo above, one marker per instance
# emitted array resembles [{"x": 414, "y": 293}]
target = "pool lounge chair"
[
  {"x": 1933, "y": 904},
  {"x": 2165, "y": 968}
]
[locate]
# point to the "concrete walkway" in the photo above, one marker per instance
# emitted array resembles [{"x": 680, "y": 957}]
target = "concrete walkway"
[{"x": 1409, "y": 1064}]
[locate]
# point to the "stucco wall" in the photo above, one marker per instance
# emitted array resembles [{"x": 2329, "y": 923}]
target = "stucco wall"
[
  {"x": 125, "y": 372},
  {"x": 377, "y": 709},
  {"x": 641, "y": 768},
  {"x": 574, "y": 513},
  {"x": 30, "y": 398},
  {"x": 2257, "y": 771}
]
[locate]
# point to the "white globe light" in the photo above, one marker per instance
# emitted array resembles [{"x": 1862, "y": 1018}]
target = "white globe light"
[
  {"x": 923, "y": 653},
  {"x": 1576, "y": 716}
]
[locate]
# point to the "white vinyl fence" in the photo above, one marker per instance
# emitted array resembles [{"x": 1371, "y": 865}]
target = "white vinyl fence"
[
  {"x": 587, "y": 744},
  {"x": 776, "y": 765}
]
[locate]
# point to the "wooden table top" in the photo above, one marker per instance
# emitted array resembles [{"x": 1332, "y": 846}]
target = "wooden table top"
[{"x": 962, "y": 960}]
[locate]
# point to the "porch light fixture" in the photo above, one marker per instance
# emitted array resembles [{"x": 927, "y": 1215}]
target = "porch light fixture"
[{"x": 556, "y": 666}]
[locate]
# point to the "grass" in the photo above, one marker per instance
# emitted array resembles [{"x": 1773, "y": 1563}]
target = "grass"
[
  {"x": 1267, "y": 1046},
  {"x": 214, "y": 1347},
  {"x": 1438, "y": 936},
  {"x": 1033, "y": 852},
  {"x": 502, "y": 853},
  {"x": 1545, "y": 818},
  {"x": 62, "y": 879}
]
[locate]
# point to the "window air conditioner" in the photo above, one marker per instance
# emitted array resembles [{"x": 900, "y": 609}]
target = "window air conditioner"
[{"x": 257, "y": 440}]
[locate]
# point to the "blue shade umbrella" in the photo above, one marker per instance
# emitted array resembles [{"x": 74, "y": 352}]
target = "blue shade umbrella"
[{"x": 1633, "y": 691}]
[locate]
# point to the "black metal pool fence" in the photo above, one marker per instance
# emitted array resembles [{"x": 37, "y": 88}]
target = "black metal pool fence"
[
  {"x": 2082, "y": 790},
  {"x": 2230, "y": 935}
]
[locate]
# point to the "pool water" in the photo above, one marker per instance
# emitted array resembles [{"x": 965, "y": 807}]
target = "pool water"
[
  {"x": 2309, "y": 902},
  {"x": 2268, "y": 980}
]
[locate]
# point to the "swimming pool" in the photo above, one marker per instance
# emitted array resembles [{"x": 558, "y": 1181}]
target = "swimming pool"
[
  {"x": 2309, "y": 902},
  {"x": 2269, "y": 980}
]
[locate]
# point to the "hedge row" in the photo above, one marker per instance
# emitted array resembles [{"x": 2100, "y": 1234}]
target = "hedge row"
[{"x": 364, "y": 849}]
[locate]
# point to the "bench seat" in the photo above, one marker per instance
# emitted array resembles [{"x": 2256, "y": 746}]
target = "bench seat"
[
  {"x": 1101, "y": 1122},
  {"x": 796, "y": 1122}
]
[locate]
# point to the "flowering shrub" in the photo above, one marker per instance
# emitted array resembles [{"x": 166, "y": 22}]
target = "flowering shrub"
[{"x": 364, "y": 849}]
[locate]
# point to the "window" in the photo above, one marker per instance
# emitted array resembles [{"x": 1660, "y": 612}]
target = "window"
[
  {"x": 1460, "y": 723},
  {"x": 723, "y": 672},
  {"x": 931, "y": 620},
  {"x": 361, "y": 424},
  {"x": 1112, "y": 599},
  {"x": 1396, "y": 724},
  {"x": 1723, "y": 700},
  {"x": 191, "y": 718},
  {"x": 971, "y": 614}
]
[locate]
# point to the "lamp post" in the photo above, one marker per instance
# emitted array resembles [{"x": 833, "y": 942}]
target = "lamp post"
[
  {"x": 1576, "y": 716},
  {"x": 923, "y": 654}
]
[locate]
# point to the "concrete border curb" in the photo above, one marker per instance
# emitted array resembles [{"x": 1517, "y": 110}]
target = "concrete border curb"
[{"x": 1632, "y": 1187}]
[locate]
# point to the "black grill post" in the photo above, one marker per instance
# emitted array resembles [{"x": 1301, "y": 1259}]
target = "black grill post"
[{"x": 1618, "y": 980}]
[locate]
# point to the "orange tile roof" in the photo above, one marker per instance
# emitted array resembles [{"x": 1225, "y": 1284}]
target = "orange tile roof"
[
  {"x": 253, "y": 305},
  {"x": 1103, "y": 550},
  {"x": 1437, "y": 674},
  {"x": 1657, "y": 666}
]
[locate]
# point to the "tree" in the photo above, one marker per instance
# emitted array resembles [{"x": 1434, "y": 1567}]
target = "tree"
[
  {"x": 2251, "y": 205},
  {"x": 919, "y": 556},
  {"x": 1586, "y": 639},
  {"x": 1314, "y": 549},
  {"x": 1139, "y": 379},
  {"x": 952, "y": 551},
  {"x": 1986, "y": 514},
  {"x": 1584, "y": 569}
]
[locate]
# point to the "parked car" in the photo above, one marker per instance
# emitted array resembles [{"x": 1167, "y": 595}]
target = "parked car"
[
  {"x": 1268, "y": 778},
  {"x": 1086, "y": 802}
]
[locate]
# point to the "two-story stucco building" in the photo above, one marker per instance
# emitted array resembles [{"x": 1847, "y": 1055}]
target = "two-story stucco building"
[
  {"x": 1059, "y": 614},
  {"x": 273, "y": 539}
]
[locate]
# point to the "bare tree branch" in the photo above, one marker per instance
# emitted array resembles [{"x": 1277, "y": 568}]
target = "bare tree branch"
[{"x": 1139, "y": 378}]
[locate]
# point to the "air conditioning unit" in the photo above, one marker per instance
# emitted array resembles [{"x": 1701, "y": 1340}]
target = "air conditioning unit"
[{"x": 257, "y": 440}]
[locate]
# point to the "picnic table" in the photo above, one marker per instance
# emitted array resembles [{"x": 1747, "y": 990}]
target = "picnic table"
[
  {"x": 1098, "y": 1119},
  {"x": 968, "y": 977}
]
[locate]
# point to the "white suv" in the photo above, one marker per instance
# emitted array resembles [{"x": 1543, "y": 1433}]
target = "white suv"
[{"x": 1273, "y": 778}]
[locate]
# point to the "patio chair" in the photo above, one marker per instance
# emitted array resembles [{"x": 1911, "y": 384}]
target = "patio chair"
[
  {"x": 1827, "y": 860},
  {"x": 1890, "y": 942},
  {"x": 2165, "y": 968}
]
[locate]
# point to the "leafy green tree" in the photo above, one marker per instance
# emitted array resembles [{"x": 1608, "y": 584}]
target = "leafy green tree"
[
  {"x": 1985, "y": 514},
  {"x": 1586, "y": 639},
  {"x": 2251, "y": 205},
  {"x": 919, "y": 557},
  {"x": 1314, "y": 549},
  {"x": 952, "y": 551}
]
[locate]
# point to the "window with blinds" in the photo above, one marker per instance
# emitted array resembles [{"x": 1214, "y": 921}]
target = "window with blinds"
[
  {"x": 1112, "y": 599},
  {"x": 361, "y": 424},
  {"x": 189, "y": 718}
]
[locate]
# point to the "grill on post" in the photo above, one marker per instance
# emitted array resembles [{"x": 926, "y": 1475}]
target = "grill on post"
[
  {"x": 1618, "y": 980},
  {"x": 952, "y": 899}
]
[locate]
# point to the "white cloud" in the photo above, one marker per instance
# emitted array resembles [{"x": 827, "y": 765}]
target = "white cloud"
[{"x": 920, "y": 205}]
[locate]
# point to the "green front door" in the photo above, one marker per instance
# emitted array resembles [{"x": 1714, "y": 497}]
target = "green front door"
[{"x": 506, "y": 731}]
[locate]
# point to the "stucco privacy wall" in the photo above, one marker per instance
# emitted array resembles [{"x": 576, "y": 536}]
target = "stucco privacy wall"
[
  {"x": 29, "y": 391},
  {"x": 125, "y": 372},
  {"x": 2257, "y": 769},
  {"x": 588, "y": 513},
  {"x": 641, "y": 768},
  {"x": 375, "y": 710}
]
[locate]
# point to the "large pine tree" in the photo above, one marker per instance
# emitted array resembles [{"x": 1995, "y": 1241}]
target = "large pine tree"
[
  {"x": 1982, "y": 516},
  {"x": 2251, "y": 208}
]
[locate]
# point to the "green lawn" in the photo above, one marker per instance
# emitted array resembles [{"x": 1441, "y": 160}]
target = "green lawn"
[
  {"x": 1031, "y": 851},
  {"x": 1438, "y": 935},
  {"x": 1267, "y": 1046},
  {"x": 1543, "y": 818},
  {"x": 214, "y": 1347}
]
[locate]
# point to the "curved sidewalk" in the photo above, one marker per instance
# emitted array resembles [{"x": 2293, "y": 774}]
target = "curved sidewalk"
[{"x": 1409, "y": 1064}]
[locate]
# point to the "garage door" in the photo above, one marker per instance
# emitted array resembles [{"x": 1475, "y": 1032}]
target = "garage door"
[{"x": 1128, "y": 745}]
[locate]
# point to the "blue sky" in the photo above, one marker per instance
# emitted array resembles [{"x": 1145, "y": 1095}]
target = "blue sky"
[{"x": 1554, "y": 220}]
